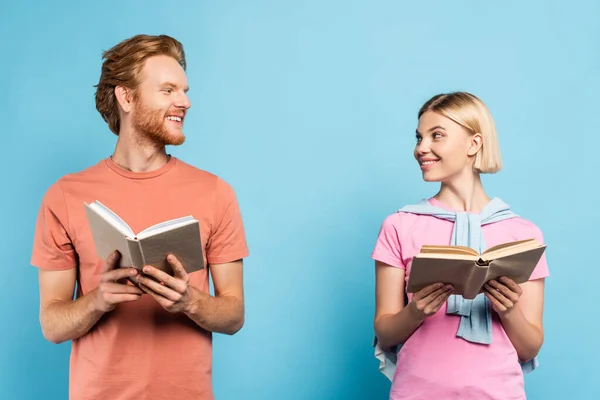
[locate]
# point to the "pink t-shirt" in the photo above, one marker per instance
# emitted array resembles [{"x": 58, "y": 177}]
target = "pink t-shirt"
[{"x": 435, "y": 363}]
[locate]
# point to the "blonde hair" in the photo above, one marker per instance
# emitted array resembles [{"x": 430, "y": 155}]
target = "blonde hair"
[
  {"x": 122, "y": 65},
  {"x": 472, "y": 114}
]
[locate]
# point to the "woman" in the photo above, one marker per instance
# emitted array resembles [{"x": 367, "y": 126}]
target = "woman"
[{"x": 449, "y": 347}]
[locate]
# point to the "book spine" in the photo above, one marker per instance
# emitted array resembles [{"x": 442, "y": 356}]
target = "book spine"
[
  {"x": 135, "y": 250},
  {"x": 475, "y": 281},
  {"x": 142, "y": 256}
]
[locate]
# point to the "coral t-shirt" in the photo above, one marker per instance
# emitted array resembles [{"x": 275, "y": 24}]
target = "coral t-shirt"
[
  {"x": 138, "y": 350},
  {"x": 434, "y": 363}
]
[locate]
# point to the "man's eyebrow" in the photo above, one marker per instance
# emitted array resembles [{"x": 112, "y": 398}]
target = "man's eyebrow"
[{"x": 174, "y": 86}]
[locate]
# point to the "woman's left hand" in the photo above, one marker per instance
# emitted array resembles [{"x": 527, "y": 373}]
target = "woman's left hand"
[{"x": 503, "y": 293}]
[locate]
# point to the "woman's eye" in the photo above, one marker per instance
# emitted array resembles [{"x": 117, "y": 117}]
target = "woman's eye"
[{"x": 437, "y": 135}]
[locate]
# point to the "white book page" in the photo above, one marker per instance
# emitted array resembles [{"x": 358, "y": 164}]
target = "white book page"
[
  {"x": 166, "y": 226},
  {"x": 112, "y": 218}
]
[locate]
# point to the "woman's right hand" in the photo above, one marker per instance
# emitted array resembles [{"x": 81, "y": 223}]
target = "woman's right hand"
[{"x": 428, "y": 301}]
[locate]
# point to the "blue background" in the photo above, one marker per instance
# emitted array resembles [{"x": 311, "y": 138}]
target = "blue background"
[{"x": 308, "y": 108}]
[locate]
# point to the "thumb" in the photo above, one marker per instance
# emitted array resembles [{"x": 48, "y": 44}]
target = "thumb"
[{"x": 111, "y": 261}]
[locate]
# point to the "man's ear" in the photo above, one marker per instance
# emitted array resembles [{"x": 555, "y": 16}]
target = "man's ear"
[
  {"x": 124, "y": 97},
  {"x": 475, "y": 144}
]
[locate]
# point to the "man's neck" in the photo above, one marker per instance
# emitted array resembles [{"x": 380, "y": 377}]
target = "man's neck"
[
  {"x": 136, "y": 156},
  {"x": 464, "y": 193}
]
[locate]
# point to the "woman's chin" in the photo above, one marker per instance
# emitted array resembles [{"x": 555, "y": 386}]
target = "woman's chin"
[{"x": 429, "y": 177}]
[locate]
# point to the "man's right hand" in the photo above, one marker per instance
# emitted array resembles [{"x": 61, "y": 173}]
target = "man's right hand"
[
  {"x": 113, "y": 288},
  {"x": 428, "y": 301}
]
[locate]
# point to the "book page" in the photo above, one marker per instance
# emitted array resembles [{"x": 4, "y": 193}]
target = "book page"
[
  {"x": 447, "y": 250},
  {"x": 449, "y": 256},
  {"x": 506, "y": 249},
  {"x": 518, "y": 266},
  {"x": 112, "y": 218},
  {"x": 166, "y": 226}
]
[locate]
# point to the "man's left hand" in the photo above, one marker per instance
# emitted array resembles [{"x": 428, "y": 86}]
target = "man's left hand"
[{"x": 171, "y": 292}]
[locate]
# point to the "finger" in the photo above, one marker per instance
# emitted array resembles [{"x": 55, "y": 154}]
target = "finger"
[
  {"x": 509, "y": 294},
  {"x": 441, "y": 291},
  {"x": 176, "y": 284},
  {"x": 118, "y": 274},
  {"x": 512, "y": 285},
  {"x": 117, "y": 288},
  {"x": 132, "y": 280},
  {"x": 111, "y": 261},
  {"x": 157, "y": 288},
  {"x": 129, "y": 277},
  {"x": 159, "y": 299},
  {"x": 427, "y": 290},
  {"x": 122, "y": 298},
  {"x": 500, "y": 297},
  {"x": 437, "y": 303},
  {"x": 178, "y": 269},
  {"x": 498, "y": 306}
]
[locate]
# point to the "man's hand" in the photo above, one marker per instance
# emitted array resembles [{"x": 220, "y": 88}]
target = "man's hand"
[
  {"x": 113, "y": 288},
  {"x": 173, "y": 293}
]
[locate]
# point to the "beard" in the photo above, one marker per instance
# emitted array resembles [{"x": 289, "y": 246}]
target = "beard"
[{"x": 152, "y": 125}]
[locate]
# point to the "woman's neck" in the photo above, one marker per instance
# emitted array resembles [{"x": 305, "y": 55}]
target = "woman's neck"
[{"x": 464, "y": 193}]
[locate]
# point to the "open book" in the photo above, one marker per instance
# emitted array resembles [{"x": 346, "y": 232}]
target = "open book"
[
  {"x": 468, "y": 271},
  {"x": 180, "y": 237}
]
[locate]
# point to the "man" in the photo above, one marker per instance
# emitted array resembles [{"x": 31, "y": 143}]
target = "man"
[{"x": 150, "y": 339}]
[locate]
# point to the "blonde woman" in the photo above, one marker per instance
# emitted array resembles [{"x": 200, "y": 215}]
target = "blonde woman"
[{"x": 434, "y": 344}]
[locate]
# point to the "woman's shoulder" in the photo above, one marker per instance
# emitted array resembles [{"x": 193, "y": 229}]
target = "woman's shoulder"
[
  {"x": 522, "y": 228},
  {"x": 403, "y": 218}
]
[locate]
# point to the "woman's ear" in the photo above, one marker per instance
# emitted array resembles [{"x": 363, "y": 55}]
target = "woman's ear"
[{"x": 476, "y": 143}]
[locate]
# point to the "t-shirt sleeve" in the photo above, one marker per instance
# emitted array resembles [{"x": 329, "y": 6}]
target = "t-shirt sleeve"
[
  {"x": 52, "y": 246},
  {"x": 541, "y": 270},
  {"x": 227, "y": 242},
  {"x": 387, "y": 247}
]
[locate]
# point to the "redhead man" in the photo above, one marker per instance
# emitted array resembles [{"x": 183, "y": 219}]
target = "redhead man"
[{"x": 145, "y": 340}]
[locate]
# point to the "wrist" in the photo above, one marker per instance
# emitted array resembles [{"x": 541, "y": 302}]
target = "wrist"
[
  {"x": 511, "y": 315},
  {"x": 414, "y": 314},
  {"x": 93, "y": 306},
  {"x": 191, "y": 306}
]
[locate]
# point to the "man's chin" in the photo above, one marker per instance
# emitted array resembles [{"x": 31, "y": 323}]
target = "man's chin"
[
  {"x": 174, "y": 140},
  {"x": 169, "y": 139}
]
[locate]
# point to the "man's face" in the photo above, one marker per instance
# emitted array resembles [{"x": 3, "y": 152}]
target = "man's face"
[{"x": 161, "y": 101}]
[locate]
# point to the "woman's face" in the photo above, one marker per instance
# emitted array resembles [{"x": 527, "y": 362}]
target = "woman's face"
[{"x": 444, "y": 149}]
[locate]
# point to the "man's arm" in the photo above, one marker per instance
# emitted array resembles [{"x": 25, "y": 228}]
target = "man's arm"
[
  {"x": 63, "y": 318},
  {"x": 223, "y": 313}
]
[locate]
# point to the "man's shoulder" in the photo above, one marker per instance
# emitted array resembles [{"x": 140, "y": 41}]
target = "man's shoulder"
[
  {"x": 86, "y": 174},
  {"x": 72, "y": 179},
  {"x": 195, "y": 172},
  {"x": 204, "y": 177}
]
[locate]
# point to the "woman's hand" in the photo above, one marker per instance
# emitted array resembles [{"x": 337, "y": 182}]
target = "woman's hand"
[
  {"x": 428, "y": 301},
  {"x": 504, "y": 294}
]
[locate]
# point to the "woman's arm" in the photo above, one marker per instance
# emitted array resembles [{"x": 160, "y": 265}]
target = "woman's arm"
[
  {"x": 523, "y": 323},
  {"x": 394, "y": 323}
]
